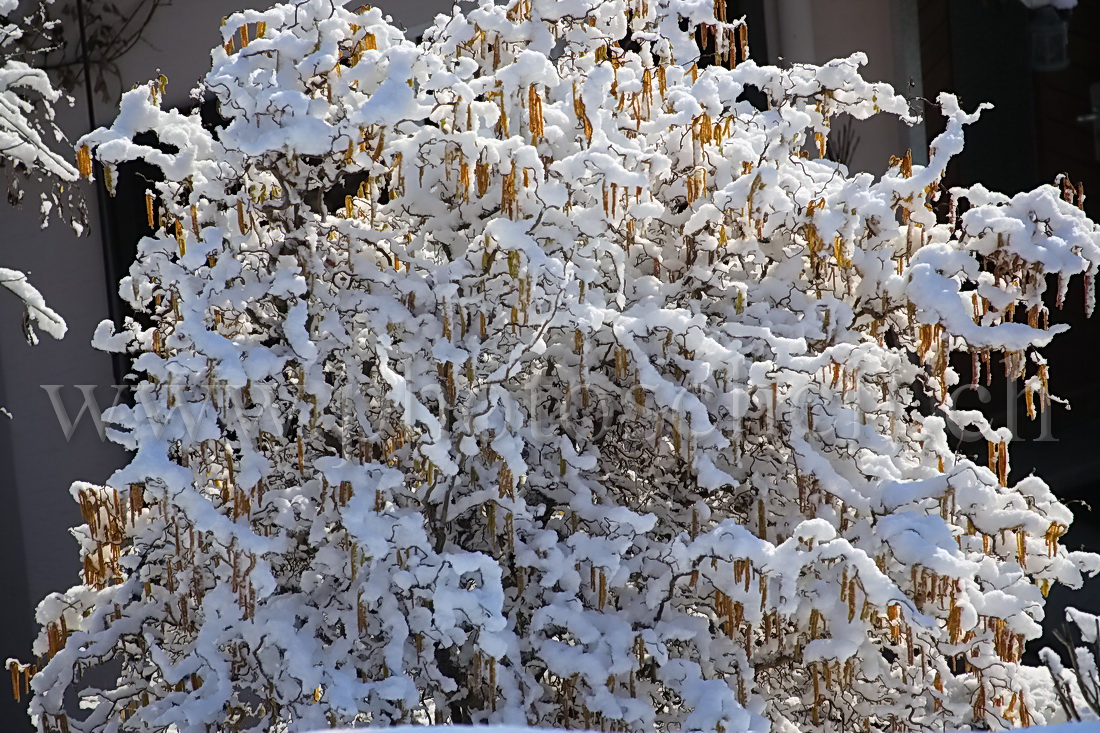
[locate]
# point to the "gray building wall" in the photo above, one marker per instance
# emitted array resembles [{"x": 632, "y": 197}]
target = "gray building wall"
[{"x": 815, "y": 31}]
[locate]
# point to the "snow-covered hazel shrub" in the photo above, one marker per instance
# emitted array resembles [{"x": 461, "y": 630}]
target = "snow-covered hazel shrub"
[{"x": 527, "y": 375}]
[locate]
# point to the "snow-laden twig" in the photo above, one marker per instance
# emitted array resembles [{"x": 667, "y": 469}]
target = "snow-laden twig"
[{"x": 37, "y": 312}]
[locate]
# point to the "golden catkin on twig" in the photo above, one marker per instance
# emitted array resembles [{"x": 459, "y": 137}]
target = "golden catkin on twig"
[
  {"x": 84, "y": 161},
  {"x": 582, "y": 115}
]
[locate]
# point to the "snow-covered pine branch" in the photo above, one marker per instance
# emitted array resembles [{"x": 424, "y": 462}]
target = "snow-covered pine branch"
[{"x": 528, "y": 375}]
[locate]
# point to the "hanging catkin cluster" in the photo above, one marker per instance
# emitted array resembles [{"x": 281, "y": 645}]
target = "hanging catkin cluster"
[{"x": 528, "y": 375}]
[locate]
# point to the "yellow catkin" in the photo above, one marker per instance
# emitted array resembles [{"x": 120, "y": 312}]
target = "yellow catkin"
[
  {"x": 181, "y": 240},
  {"x": 534, "y": 111},
  {"x": 84, "y": 161},
  {"x": 582, "y": 115},
  {"x": 464, "y": 180},
  {"x": 815, "y": 711}
]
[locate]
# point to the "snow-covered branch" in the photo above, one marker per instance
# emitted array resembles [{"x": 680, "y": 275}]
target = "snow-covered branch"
[{"x": 27, "y": 98}]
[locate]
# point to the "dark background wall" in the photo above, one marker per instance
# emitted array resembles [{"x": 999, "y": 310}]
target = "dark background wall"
[{"x": 980, "y": 49}]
